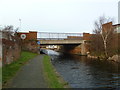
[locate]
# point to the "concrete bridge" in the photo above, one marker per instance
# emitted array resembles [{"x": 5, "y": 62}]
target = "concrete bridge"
[
  {"x": 73, "y": 43},
  {"x": 61, "y": 42},
  {"x": 75, "y": 46}
]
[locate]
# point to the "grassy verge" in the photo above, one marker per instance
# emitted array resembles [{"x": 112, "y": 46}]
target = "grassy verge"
[
  {"x": 53, "y": 79},
  {"x": 10, "y": 70}
]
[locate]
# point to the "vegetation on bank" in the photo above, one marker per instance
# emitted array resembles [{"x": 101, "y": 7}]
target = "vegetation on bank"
[
  {"x": 51, "y": 76},
  {"x": 104, "y": 40},
  {"x": 10, "y": 70}
]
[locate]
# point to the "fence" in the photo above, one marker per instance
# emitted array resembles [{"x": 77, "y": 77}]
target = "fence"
[{"x": 57, "y": 36}]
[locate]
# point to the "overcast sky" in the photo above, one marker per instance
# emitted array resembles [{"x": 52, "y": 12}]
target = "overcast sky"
[
  {"x": 119, "y": 12},
  {"x": 56, "y": 15}
]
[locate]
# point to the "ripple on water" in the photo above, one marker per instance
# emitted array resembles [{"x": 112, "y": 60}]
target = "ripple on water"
[{"x": 80, "y": 72}]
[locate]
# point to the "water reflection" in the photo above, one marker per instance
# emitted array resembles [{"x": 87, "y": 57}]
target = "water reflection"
[
  {"x": 51, "y": 52},
  {"x": 81, "y": 72}
]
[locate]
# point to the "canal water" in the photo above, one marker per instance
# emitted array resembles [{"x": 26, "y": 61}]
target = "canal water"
[{"x": 81, "y": 72}]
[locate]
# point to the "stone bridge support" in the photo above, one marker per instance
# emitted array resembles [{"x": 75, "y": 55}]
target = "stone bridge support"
[{"x": 83, "y": 49}]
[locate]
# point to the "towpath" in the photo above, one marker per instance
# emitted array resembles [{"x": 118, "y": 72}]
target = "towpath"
[{"x": 30, "y": 75}]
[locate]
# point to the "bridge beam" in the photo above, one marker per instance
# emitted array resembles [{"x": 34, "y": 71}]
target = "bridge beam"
[{"x": 60, "y": 42}]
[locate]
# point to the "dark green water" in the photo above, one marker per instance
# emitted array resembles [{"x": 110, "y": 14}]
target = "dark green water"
[{"x": 81, "y": 72}]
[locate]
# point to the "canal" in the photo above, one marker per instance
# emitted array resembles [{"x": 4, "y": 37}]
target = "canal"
[{"x": 81, "y": 72}]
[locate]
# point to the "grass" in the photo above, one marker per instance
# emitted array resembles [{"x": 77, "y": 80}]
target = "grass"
[
  {"x": 10, "y": 70},
  {"x": 51, "y": 76}
]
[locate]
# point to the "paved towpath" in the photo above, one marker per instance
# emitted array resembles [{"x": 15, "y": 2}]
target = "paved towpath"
[{"x": 30, "y": 75}]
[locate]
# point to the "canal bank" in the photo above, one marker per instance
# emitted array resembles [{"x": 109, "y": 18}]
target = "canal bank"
[
  {"x": 52, "y": 77},
  {"x": 114, "y": 58}
]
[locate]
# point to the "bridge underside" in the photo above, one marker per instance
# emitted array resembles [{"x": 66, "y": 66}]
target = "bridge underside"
[{"x": 61, "y": 44}]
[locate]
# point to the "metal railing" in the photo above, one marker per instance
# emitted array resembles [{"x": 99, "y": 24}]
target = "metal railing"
[{"x": 57, "y": 36}]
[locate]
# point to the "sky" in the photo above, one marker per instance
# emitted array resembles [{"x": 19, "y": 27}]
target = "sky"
[
  {"x": 119, "y": 12},
  {"x": 69, "y": 16}
]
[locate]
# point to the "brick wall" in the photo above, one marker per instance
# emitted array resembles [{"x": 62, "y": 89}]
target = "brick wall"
[
  {"x": 31, "y": 35},
  {"x": 30, "y": 46},
  {"x": 106, "y": 27},
  {"x": 86, "y": 36},
  {"x": 74, "y": 37},
  {"x": 76, "y": 50},
  {"x": 29, "y": 43},
  {"x": 10, "y": 51}
]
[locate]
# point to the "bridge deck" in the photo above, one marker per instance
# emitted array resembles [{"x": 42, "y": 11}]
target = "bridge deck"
[{"x": 60, "y": 42}]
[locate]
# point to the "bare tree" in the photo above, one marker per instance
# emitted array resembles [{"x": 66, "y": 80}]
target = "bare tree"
[
  {"x": 10, "y": 30},
  {"x": 11, "y": 33},
  {"x": 103, "y": 27},
  {"x": 96, "y": 45}
]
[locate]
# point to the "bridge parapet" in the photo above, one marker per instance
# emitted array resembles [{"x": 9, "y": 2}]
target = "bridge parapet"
[{"x": 58, "y": 35}]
